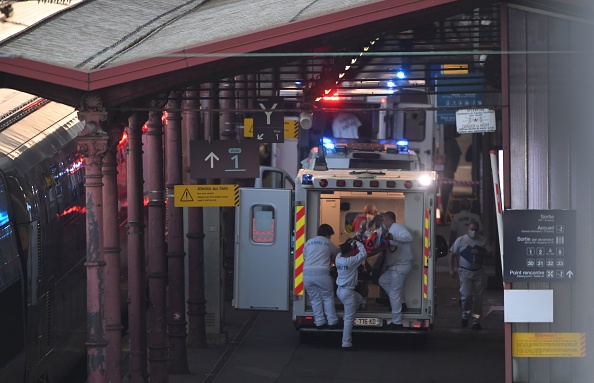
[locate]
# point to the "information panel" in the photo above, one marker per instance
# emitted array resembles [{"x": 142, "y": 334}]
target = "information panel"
[
  {"x": 539, "y": 245},
  {"x": 548, "y": 345},
  {"x": 224, "y": 159},
  {"x": 205, "y": 195}
]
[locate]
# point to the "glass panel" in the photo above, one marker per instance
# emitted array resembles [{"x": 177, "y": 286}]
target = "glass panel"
[
  {"x": 414, "y": 125},
  {"x": 263, "y": 224},
  {"x": 349, "y": 219},
  {"x": 9, "y": 257},
  {"x": 3, "y": 205}
]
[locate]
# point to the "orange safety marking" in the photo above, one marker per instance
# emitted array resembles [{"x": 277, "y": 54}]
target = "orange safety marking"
[
  {"x": 426, "y": 254},
  {"x": 299, "y": 243}
]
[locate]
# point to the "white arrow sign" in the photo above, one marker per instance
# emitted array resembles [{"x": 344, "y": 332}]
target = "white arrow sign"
[
  {"x": 570, "y": 273},
  {"x": 260, "y": 137},
  {"x": 211, "y": 157}
]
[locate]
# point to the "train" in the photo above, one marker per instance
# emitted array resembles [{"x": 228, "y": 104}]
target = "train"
[{"x": 42, "y": 241}]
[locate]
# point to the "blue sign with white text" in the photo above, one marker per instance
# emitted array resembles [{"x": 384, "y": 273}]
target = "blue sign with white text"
[{"x": 457, "y": 91}]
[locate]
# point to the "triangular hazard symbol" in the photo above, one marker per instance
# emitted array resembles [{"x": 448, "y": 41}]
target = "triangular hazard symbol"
[{"x": 186, "y": 196}]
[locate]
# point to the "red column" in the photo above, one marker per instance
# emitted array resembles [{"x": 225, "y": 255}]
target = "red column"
[
  {"x": 176, "y": 317},
  {"x": 196, "y": 298},
  {"x": 92, "y": 147},
  {"x": 136, "y": 265},
  {"x": 92, "y": 144},
  {"x": 157, "y": 262},
  {"x": 111, "y": 251}
]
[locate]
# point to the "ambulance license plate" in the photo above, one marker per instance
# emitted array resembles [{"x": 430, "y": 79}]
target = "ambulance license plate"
[{"x": 368, "y": 322}]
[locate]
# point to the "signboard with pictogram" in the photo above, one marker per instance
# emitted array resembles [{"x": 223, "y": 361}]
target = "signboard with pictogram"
[
  {"x": 539, "y": 245},
  {"x": 224, "y": 159},
  {"x": 291, "y": 128},
  {"x": 205, "y": 195},
  {"x": 475, "y": 121}
]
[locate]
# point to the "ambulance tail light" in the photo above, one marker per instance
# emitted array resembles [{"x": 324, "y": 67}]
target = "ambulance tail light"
[
  {"x": 374, "y": 184},
  {"x": 323, "y": 183},
  {"x": 357, "y": 183},
  {"x": 419, "y": 324},
  {"x": 341, "y": 183},
  {"x": 304, "y": 321},
  {"x": 391, "y": 184},
  {"x": 408, "y": 184}
]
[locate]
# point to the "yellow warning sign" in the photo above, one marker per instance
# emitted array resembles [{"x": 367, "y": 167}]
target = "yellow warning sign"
[
  {"x": 548, "y": 344},
  {"x": 291, "y": 128},
  {"x": 248, "y": 127},
  {"x": 205, "y": 195}
]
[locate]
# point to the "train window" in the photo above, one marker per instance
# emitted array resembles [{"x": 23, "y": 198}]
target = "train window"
[
  {"x": 262, "y": 224},
  {"x": 9, "y": 257}
]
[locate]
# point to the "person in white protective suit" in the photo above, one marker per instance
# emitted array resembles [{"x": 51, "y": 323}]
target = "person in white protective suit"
[{"x": 318, "y": 254}]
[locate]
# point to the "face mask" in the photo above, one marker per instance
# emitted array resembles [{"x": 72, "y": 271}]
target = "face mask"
[{"x": 472, "y": 233}]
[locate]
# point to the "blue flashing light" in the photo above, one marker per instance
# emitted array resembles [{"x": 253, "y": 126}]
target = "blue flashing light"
[
  {"x": 400, "y": 74},
  {"x": 328, "y": 143},
  {"x": 3, "y": 218},
  {"x": 402, "y": 146},
  {"x": 391, "y": 84},
  {"x": 307, "y": 179}
]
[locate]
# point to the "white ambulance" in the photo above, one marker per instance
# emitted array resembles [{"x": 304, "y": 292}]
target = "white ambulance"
[{"x": 272, "y": 226}]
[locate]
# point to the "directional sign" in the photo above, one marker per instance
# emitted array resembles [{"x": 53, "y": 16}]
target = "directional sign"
[
  {"x": 224, "y": 159},
  {"x": 539, "y": 245},
  {"x": 269, "y": 117},
  {"x": 457, "y": 91},
  {"x": 291, "y": 128},
  {"x": 269, "y": 134},
  {"x": 205, "y": 195}
]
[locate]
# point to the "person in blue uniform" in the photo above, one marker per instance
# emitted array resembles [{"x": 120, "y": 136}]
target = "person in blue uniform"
[
  {"x": 347, "y": 263},
  {"x": 318, "y": 254},
  {"x": 469, "y": 252}
]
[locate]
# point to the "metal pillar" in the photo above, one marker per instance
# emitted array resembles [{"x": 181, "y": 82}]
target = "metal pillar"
[
  {"x": 111, "y": 251},
  {"x": 228, "y": 132},
  {"x": 211, "y": 223},
  {"x": 176, "y": 318},
  {"x": 157, "y": 262},
  {"x": 92, "y": 145},
  {"x": 195, "y": 235},
  {"x": 136, "y": 264}
]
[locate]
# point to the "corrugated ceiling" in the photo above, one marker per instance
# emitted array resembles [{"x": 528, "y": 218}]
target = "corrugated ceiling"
[{"x": 113, "y": 31}]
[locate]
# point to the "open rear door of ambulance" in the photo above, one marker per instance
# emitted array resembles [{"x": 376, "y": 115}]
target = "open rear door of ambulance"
[{"x": 262, "y": 249}]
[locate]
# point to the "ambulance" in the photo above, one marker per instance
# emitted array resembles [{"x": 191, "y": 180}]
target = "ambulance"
[{"x": 273, "y": 224}]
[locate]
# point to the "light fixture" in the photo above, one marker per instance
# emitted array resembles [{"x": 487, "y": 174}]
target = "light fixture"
[{"x": 305, "y": 120}]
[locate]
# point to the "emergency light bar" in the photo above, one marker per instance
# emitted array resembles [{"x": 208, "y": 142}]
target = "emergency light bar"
[{"x": 341, "y": 145}]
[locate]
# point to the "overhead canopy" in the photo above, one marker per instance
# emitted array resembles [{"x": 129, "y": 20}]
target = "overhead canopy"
[{"x": 130, "y": 50}]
